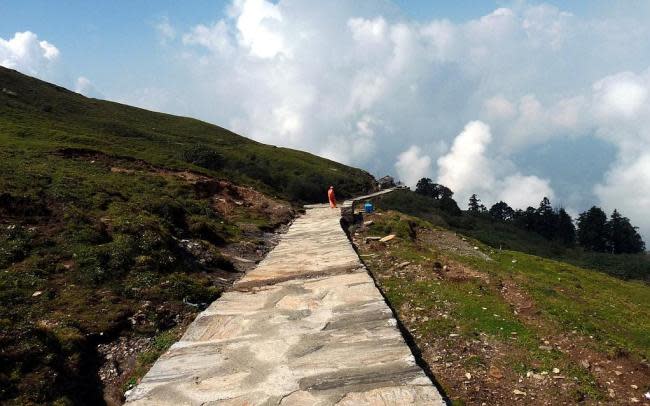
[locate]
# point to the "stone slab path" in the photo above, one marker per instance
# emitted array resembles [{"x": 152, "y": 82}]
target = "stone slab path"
[{"x": 306, "y": 327}]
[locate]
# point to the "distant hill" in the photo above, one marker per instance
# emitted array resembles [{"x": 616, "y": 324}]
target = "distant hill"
[{"x": 117, "y": 225}]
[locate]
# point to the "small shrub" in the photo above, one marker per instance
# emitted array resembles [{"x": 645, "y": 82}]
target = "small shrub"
[
  {"x": 101, "y": 263},
  {"x": 203, "y": 156},
  {"x": 15, "y": 286},
  {"x": 150, "y": 240},
  {"x": 193, "y": 290},
  {"x": 22, "y": 206},
  {"x": 121, "y": 253},
  {"x": 208, "y": 230},
  {"x": 15, "y": 244},
  {"x": 169, "y": 210},
  {"x": 312, "y": 189},
  {"x": 213, "y": 259},
  {"x": 91, "y": 265},
  {"x": 121, "y": 130},
  {"x": 402, "y": 228},
  {"x": 261, "y": 171},
  {"x": 79, "y": 228}
]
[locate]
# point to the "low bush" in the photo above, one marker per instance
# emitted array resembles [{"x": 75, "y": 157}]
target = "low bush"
[
  {"x": 208, "y": 229},
  {"x": 167, "y": 209},
  {"x": 15, "y": 244},
  {"x": 203, "y": 156},
  {"x": 193, "y": 290}
]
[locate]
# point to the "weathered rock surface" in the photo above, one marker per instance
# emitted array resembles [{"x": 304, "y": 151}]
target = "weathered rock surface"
[{"x": 306, "y": 327}]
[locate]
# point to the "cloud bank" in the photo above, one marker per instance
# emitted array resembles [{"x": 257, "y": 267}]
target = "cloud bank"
[
  {"x": 461, "y": 102},
  {"x": 26, "y": 53},
  {"x": 468, "y": 169}
]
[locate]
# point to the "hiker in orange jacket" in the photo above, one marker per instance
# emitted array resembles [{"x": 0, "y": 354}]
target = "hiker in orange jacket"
[{"x": 331, "y": 197}]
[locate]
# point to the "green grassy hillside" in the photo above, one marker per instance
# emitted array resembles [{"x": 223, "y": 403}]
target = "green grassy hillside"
[
  {"x": 37, "y": 118},
  {"x": 117, "y": 225},
  {"x": 505, "y": 327}
]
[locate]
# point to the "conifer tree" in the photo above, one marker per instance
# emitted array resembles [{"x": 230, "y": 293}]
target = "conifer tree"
[
  {"x": 545, "y": 219},
  {"x": 593, "y": 230},
  {"x": 474, "y": 205},
  {"x": 440, "y": 193},
  {"x": 566, "y": 231},
  {"x": 623, "y": 237},
  {"x": 526, "y": 219}
]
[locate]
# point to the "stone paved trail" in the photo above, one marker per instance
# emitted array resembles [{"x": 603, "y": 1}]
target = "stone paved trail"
[{"x": 306, "y": 327}]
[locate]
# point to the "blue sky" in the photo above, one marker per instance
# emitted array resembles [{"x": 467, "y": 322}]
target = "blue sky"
[
  {"x": 116, "y": 41},
  {"x": 91, "y": 34},
  {"x": 512, "y": 100}
]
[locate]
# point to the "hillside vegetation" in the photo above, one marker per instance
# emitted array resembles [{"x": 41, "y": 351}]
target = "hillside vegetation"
[
  {"x": 506, "y": 235},
  {"x": 117, "y": 225},
  {"x": 499, "y": 326},
  {"x": 38, "y": 118}
]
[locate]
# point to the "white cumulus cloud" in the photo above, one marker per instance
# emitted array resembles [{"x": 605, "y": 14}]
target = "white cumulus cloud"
[
  {"x": 86, "y": 87},
  {"x": 467, "y": 168},
  {"x": 165, "y": 29},
  {"x": 626, "y": 187},
  {"x": 368, "y": 32},
  {"x": 412, "y": 165},
  {"x": 258, "y": 23},
  {"x": 214, "y": 37},
  {"x": 621, "y": 95},
  {"x": 26, "y": 53},
  {"x": 499, "y": 108},
  {"x": 521, "y": 191},
  {"x": 308, "y": 74}
]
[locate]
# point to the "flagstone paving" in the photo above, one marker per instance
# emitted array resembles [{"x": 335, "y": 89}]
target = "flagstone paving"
[{"x": 307, "y": 326}]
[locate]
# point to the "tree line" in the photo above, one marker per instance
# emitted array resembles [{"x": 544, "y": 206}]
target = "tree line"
[{"x": 593, "y": 230}]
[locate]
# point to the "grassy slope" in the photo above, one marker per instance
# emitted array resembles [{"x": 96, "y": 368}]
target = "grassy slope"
[
  {"x": 88, "y": 253},
  {"x": 517, "y": 314},
  {"x": 41, "y": 117}
]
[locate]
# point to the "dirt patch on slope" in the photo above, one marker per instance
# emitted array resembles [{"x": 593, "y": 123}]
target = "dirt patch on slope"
[
  {"x": 450, "y": 242},
  {"x": 244, "y": 203},
  {"x": 616, "y": 374}
]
